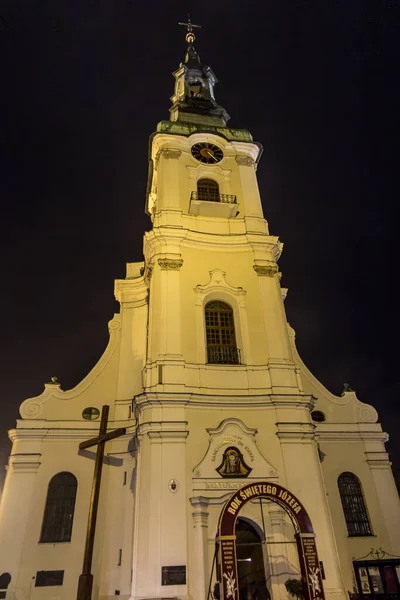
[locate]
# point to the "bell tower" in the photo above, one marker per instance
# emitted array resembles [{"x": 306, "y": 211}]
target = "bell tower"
[
  {"x": 205, "y": 206},
  {"x": 217, "y": 341}
]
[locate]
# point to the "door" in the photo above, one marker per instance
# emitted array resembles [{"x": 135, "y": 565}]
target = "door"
[{"x": 250, "y": 563}]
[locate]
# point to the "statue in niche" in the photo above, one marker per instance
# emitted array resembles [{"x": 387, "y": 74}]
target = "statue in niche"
[{"x": 233, "y": 464}]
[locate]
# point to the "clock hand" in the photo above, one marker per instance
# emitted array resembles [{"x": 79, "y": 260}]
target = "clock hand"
[{"x": 212, "y": 155}]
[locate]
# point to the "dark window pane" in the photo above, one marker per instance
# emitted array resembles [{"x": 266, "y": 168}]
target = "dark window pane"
[
  {"x": 318, "y": 416},
  {"x": 5, "y": 579},
  {"x": 90, "y": 413},
  {"x": 355, "y": 511},
  {"x": 220, "y": 334},
  {"x": 59, "y": 509},
  {"x": 208, "y": 190},
  {"x": 390, "y": 578}
]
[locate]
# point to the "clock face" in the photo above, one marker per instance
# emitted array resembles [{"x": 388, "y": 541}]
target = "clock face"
[{"x": 207, "y": 153}]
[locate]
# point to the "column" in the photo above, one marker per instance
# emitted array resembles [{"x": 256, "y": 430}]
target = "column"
[
  {"x": 281, "y": 562},
  {"x": 280, "y": 363},
  {"x": 304, "y": 479},
  {"x": 199, "y": 575},
  {"x": 160, "y": 532},
  {"x": 15, "y": 511},
  {"x": 387, "y": 494}
]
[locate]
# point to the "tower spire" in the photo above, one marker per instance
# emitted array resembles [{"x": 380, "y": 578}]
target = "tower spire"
[{"x": 194, "y": 100}]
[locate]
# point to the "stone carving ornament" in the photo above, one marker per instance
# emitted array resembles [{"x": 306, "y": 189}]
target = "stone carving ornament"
[
  {"x": 266, "y": 270},
  {"x": 170, "y": 264}
]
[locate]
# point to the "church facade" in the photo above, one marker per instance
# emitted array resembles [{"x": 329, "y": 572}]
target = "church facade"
[{"x": 202, "y": 371}]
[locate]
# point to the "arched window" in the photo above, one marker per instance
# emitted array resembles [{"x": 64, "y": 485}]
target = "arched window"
[
  {"x": 59, "y": 510},
  {"x": 5, "y": 579},
  {"x": 220, "y": 333},
  {"x": 208, "y": 190},
  {"x": 355, "y": 511}
]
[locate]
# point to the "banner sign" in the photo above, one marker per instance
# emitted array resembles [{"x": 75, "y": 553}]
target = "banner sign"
[
  {"x": 310, "y": 570},
  {"x": 309, "y": 564}
]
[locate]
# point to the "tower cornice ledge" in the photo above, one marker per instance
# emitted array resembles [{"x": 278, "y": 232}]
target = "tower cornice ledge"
[
  {"x": 134, "y": 291},
  {"x": 266, "y": 248},
  {"x": 295, "y": 431},
  {"x": 250, "y": 401}
]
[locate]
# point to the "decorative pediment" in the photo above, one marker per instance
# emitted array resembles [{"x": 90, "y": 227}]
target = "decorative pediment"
[
  {"x": 216, "y": 283},
  {"x": 231, "y": 459}
]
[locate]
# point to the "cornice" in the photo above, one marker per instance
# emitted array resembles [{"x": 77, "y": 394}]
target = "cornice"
[
  {"x": 24, "y": 463},
  {"x": 132, "y": 291},
  {"x": 216, "y": 401},
  {"x": 62, "y": 434},
  {"x": 378, "y": 460},
  {"x": 263, "y": 245},
  {"x": 350, "y": 432},
  {"x": 164, "y": 430},
  {"x": 167, "y": 435},
  {"x": 295, "y": 431}
]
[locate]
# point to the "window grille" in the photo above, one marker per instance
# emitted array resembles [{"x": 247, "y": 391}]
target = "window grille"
[
  {"x": 220, "y": 333},
  {"x": 207, "y": 190},
  {"x": 355, "y": 511},
  {"x": 59, "y": 510}
]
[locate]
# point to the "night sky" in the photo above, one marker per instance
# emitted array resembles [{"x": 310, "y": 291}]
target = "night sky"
[{"x": 83, "y": 85}]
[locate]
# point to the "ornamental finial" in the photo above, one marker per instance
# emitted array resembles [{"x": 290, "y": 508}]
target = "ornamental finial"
[{"x": 190, "y": 37}]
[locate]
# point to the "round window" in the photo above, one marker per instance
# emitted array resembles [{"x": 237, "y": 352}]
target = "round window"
[
  {"x": 318, "y": 416},
  {"x": 91, "y": 413}
]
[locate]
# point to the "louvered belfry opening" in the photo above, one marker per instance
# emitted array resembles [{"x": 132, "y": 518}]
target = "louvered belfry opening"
[
  {"x": 59, "y": 510},
  {"x": 208, "y": 190},
  {"x": 220, "y": 332},
  {"x": 355, "y": 511}
]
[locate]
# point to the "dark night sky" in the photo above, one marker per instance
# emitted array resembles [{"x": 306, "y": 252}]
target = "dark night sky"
[{"x": 84, "y": 85}]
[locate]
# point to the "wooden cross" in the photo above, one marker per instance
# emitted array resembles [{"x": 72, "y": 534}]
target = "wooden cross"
[{"x": 86, "y": 578}]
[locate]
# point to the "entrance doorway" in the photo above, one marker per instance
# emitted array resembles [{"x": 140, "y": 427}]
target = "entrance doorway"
[
  {"x": 227, "y": 551},
  {"x": 250, "y": 562}
]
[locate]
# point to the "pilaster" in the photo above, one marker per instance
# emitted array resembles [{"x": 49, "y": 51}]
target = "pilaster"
[
  {"x": 200, "y": 525},
  {"x": 278, "y": 566},
  {"x": 282, "y": 370},
  {"x": 15, "y": 510},
  {"x": 160, "y": 527},
  {"x": 304, "y": 478},
  {"x": 388, "y": 496}
]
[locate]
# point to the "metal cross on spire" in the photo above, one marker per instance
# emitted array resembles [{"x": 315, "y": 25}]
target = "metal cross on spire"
[{"x": 190, "y": 37}]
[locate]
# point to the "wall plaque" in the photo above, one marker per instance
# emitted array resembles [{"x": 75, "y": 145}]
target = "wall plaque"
[
  {"x": 173, "y": 575},
  {"x": 45, "y": 578}
]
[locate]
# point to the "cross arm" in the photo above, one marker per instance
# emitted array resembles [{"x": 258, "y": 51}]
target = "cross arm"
[{"x": 102, "y": 438}]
